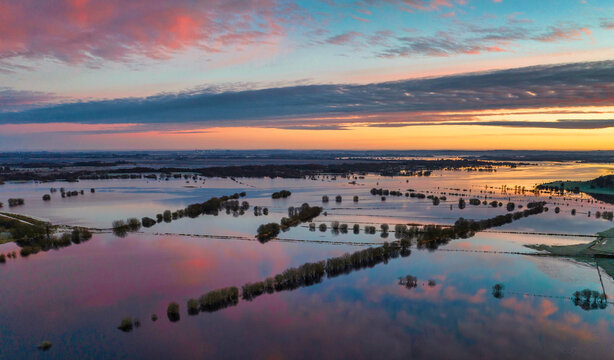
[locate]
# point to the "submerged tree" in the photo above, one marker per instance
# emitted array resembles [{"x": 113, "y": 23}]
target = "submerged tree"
[
  {"x": 268, "y": 231},
  {"x": 126, "y": 324},
  {"x": 408, "y": 281},
  {"x": 461, "y": 203},
  {"x": 148, "y": 222},
  {"x": 497, "y": 291},
  {"x": 172, "y": 311}
]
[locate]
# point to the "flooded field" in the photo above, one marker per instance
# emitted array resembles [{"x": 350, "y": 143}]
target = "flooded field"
[{"x": 75, "y": 297}]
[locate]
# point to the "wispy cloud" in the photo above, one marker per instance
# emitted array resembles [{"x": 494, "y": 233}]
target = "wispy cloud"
[
  {"x": 16, "y": 100},
  {"x": 477, "y": 39},
  {"x": 117, "y": 30},
  {"x": 607, "y": 24},
  {"x": 569, "y": 124},
  {"x": 557, "y": 33}
]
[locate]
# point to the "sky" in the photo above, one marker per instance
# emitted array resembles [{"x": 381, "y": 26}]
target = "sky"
[{"x": 318, "y": 74}]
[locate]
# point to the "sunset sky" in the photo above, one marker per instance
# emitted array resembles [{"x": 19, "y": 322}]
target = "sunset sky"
[{"x": 319, "y": 74}]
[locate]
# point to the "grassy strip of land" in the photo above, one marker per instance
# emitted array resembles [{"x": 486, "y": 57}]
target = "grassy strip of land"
[{"x": 603, "y": 245}]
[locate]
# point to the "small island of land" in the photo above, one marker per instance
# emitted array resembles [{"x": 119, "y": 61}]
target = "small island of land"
[{"x": 601, "y": 188}]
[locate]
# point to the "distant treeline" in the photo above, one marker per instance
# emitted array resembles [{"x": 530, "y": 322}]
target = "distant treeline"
[{"x": 390, "y": 168}]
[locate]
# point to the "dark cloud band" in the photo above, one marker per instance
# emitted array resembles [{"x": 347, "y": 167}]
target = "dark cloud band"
[{"x": 567, "y": 85}]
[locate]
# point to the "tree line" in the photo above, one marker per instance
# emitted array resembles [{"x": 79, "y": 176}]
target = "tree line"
[
  {"x": 212, "y": 206},
  {"x": 296, "y": 216},
  {"x": 312, "y": 273}
]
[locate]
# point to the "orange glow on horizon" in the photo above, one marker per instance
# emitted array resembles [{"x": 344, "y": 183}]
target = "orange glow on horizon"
[
  {"x": 467, "y": 137},
  {"x": 430, "y": 131}
]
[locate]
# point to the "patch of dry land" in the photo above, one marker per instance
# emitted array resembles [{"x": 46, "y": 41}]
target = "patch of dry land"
[
  {"x": 603, "y": 245},
  {"x": 601, "y": 188}
]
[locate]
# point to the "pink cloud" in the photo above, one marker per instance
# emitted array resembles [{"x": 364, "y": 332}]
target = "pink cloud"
[
  {"x": 344, "y": 38},
  {"x": 79, "y": 31},
  {"x": 360, "y": 19},
  {"x": 557, "y": 34}
]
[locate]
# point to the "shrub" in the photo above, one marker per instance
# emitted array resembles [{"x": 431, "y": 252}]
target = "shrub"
[
  {"x": 369, "y": 229},
  {"x": 193, "y": 307},
  {"x": 461, "y": 203},
  {"x": 510, "y": 206},
  {"x": 46, "y": 197},
  {"x": 281, "y": 194},
  {"x": 134, "y": 224},
  {"x": 356, "y": 228},
  {"x": 268, "y": 231},
  {"x": 125, "y": 325},
  {"x": 400, "y": 230},
  {"x": 154, "y": 317},
  {"x": 45, "y": 345},
  {"x": 325, "y": 199},
  {"x": 120, "y": 228},
  {"x": 27, "y": 251},
  {"x": 338, "y": 198},
  {"x": 497, "y": 291},
  {"x": 322, "y": 227},
  {"x": 355, "y": 198},
  {"x": 15, "y": 202},
  {"x": 64, "y": 240},
  {"x": 75, "y": 236},
  {"x": 409, "y": 281},
  {"x": 85, "y": 233},
  {"x": 2, "y": 258},
  {"x": 172, "y": 311},
  {"x": 148, "y": 222}
]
